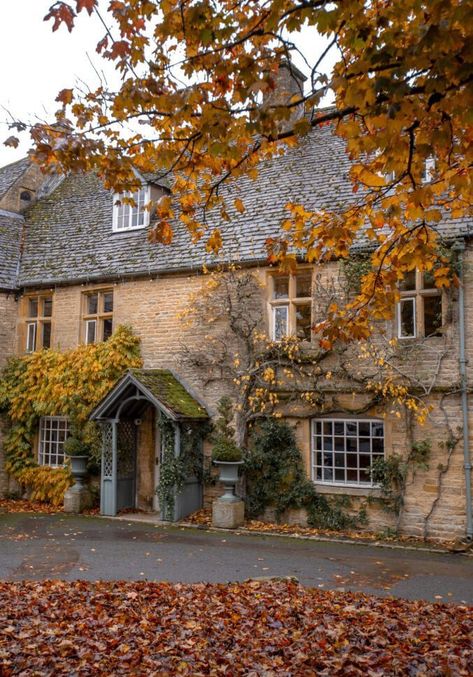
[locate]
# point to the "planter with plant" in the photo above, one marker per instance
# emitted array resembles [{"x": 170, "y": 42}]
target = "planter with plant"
[
  {"x": 226, "y": 454},
  {"x": 78, "y": 452}
]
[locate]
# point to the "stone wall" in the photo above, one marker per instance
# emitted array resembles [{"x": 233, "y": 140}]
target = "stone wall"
[
  {"x": 153, "y": 307},
  {"x": 8, "y": 315}
]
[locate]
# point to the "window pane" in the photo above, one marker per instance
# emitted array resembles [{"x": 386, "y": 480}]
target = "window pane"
[
  {"x": 46, "y": 338},
  {"x": 303, "y": 322},
  {"x": 47, "y": 306},
  {"x": 107, "y": 329},
  {"x": 52, "y": 435},
  {"x": 92, "y": 304},
  {"x": 280, "y": 322},
  {"x": 31, "y": 337},
  {"x": 428, "y": 281},
  {"x": 346, "y": 459},
  {"x": 407, "y": 318},
  {"x": 432, "y": 315},
  {"x": 304, "y": 285},
  {"x": 108, "y": 302},
  {"x": 90, "y": 331},
  {"x": 33, "y": 308},
  {"x": 281, "y": 287},
  {"x": 378, "y": 445},
  {"x": 409, "y": 282}
]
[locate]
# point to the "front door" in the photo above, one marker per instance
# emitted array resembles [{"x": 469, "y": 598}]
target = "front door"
[
  {"x": 157, "y": 462},
  {"x": 126, "y": 464}
]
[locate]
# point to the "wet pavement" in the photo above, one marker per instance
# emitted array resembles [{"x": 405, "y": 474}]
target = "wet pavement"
[{"x": 36, "y": 547}]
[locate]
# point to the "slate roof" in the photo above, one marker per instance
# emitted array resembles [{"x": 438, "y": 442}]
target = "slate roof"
[
  {"x": 70, "y": 237},
  {"x": 160, "y": 386},
  {"x": 11, "y": 226},
  {"x": 10, "y": 173}
]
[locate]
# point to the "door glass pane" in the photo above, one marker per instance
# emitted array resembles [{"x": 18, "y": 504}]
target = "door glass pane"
[
  {"x": 304, "y": 285},
  {"x": 47, "y": 306},
  {"x": 432, "y": 315},
  {"x": 407, "y": 318},
  {"x": 108, "y": 302},
  {"x": 280, "y": 322},
  {"x": 33, "y": 308},
  {"x": 281, "y": 287},
  {"x": 92, "y": 304},
  {"x": 46, "y": 334},
  {"x": 303, "y": 322},
  {"x": 107, "y": 329}
]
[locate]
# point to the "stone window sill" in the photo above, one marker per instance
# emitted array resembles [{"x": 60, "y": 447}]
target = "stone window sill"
[{"x": 347, "y": 491}]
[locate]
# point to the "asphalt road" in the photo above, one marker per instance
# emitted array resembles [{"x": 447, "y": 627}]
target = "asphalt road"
[{"x": 36, "y": 547}]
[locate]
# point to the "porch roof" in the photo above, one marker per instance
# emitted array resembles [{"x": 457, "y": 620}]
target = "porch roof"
[{"x": 159, "y": 387}]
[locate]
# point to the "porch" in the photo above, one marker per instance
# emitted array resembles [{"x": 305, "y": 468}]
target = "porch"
[{"x": 150, "y": 421}]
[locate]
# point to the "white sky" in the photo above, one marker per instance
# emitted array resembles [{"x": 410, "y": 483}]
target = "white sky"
[{"x": 36, "y": 63}]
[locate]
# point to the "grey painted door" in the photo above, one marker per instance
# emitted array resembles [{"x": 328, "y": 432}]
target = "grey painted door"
[{"x": 126, "y": 464}]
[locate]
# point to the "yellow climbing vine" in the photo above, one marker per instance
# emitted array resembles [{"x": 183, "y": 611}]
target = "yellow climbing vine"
[{"x": 53, "y": 383}]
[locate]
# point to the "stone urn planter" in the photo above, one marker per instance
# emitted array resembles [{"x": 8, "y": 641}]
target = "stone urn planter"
[
  {"x": 228, "y": 477},
  {"x": 79, "y": 469},
  {"x": 78, "y": 496}
]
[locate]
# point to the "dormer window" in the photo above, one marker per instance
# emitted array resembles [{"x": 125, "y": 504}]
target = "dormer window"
[{"x": 128, "y": 217}]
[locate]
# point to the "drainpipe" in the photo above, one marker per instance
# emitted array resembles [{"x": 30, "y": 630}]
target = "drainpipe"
[{"x": 460, "y": 248}]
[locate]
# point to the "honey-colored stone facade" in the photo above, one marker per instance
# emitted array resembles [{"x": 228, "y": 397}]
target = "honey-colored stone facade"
[{"x": 435, "y": 498}]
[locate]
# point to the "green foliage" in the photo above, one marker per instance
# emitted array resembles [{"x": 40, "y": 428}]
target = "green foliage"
[
  {"x": 276, "y": 477},
  {"x": 225, "y": 447},
  {"x": 354, "y": 269},
  {"x": 52, "y": 383},
  {"x": 174, "y": 470},
  {"x": 75, "y": 447}
]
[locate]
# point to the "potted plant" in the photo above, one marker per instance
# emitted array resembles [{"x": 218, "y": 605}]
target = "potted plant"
[
  {"x": 226, "y": 454},
  {"x": 78, "y": 452}
]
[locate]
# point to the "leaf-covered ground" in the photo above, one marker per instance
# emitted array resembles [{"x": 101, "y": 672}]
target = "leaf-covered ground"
[
  {"x": 204, "y": 518},
  {"x": 253, "y": 628}
]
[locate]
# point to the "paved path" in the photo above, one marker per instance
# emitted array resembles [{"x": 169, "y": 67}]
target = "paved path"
[{"x": 36, "y": 547}]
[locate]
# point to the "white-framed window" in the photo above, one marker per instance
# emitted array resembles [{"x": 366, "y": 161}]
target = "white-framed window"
[
  {"x": 429, "y": 168},
  {"x": 419, "y": 310},
  {"x": 38, "y": 320},
  {"x": 290, "y": 305},
  {"x": 128, "y": 217},
  {"x": 343, "y": 450},
  {"x": 53, "y": 431},
  {"x": 97, "y": 315}
]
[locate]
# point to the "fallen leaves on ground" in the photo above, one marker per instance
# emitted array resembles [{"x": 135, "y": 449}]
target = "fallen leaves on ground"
[
  {"x": 20, "y": 505},
  {"x": 24, "y": 505},
  {"x": 204, "y": 518},
  {"x": 255, "y": 628}
]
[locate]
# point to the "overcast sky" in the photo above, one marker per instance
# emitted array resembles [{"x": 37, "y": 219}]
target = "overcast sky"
[{"x": 36, "y": 63}]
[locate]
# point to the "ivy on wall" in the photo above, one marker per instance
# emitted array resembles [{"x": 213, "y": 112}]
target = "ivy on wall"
[
  {"x": 53, "y": 383},
  {"x": 276, "y": 478}
]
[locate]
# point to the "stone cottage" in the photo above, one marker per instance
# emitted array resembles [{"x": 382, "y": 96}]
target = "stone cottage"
[{"x": 74, "y": 265}]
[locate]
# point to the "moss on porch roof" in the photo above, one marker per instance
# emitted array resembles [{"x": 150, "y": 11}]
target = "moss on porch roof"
[{"x": 166, "y": 388}]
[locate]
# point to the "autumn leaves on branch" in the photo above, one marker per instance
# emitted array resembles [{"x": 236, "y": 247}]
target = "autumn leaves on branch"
[{"x": 194, "y": 77}]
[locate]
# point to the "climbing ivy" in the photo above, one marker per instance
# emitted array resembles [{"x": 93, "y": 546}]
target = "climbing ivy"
[
  {"x": 276, "y": 477},
  {"x": 53, "y": 383},
  {"x": 174, "y": 470},
  {"x": 171, "y": 470},
  {"x": 391, "y": 473}
]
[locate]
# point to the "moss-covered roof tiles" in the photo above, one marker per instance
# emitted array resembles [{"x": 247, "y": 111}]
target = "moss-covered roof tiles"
[{"x": 168, "y": 390}]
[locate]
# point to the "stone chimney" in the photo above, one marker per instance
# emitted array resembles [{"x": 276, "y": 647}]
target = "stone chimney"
[{"x": 289, "y": 82}]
